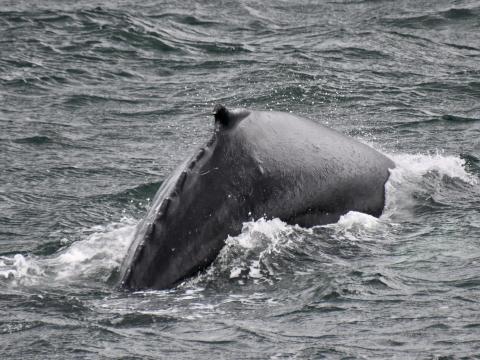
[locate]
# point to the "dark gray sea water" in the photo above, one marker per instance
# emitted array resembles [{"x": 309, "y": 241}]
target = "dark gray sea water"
[{"x": 99, "y": 101}]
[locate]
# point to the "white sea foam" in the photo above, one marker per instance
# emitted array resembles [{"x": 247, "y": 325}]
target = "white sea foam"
[
  {"x": 99, "y": 253},
  {"x": 19, "y": 267},
  {"x": 255, "y": 233},
  {"x": 354, "y": 218},
  {"x": 94, "y": 257},
  {"x": 409, "y": 173},
  {"x": 257, "y": 239},
  {"x": 356, "y": 226},
  {"x": 244, "y": 254},
  {"x": 104, "y": 247},
  {"x": 417, "y": 165}
]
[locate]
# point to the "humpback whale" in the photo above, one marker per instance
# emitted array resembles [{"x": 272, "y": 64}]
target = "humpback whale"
[{"x": 257, "y": 164}]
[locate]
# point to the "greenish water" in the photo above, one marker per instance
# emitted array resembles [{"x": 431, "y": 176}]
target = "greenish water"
[{"x": 100, "y": 101}]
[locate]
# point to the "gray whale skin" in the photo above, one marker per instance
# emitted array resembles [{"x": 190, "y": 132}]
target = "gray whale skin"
[{"x": 257, "y": 164}]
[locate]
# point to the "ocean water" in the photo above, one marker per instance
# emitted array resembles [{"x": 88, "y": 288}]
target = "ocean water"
[{"x": 99, "y": 101}]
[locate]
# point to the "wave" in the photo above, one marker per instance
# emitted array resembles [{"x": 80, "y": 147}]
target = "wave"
[
  {"x": 434, "y": 19},
  {"x": 93, "y": 259},
  {"x": 448, "y": 119},
  {"x": 34, "y": 140},
  {"x": 266, "y": 250},
  {"x": 417, "y": 165},
  {"x": 419, "y": 180}
]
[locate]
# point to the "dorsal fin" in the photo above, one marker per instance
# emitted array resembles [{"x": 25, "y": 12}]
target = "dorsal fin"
[
  {"x": 226, "y": 118},
  {"x": 222, "y": 114}
]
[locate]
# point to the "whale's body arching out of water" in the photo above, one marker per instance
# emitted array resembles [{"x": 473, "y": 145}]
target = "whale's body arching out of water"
[{"x": 257, "y": 164}]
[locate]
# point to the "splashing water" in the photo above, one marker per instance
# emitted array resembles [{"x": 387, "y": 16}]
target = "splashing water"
[
  {"x": 98, "y": 104},
  {"x": 93, "y": 258},
  {"x": 101, "y": 253},
  {"x": 409, "y": 177}
]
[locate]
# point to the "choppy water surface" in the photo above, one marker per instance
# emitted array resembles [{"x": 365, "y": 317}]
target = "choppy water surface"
[{"x": 99, "y": 101}]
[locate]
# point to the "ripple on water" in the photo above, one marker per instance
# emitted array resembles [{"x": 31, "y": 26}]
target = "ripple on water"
[{"x": 98, "y": 104}]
